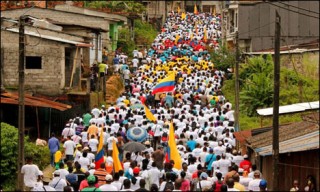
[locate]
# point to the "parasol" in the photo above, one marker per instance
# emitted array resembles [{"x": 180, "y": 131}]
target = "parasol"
[{"x": 137, "y": 134}]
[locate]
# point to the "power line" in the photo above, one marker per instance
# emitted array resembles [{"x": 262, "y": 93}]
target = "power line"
[
  {"x": 298, "y": 7},
  {"x": 295, "y": 70},
  {"x": 257, "y": 28},
  {"x": 292, "y": 10}
]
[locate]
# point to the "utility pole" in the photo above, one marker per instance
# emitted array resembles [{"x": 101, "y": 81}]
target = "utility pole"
[
  {"x": 236, "y": 120},
  {"x": 275, "y": 123},
  {"x": 21, "y": 120}
]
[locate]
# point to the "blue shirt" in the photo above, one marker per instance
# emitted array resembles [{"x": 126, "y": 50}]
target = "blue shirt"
[
  {"x": 211, "y": 158},
  {"x": 116, "y": 61},
  {"x": 53, "y": 144},
  {"x": 191, "y": 144}
]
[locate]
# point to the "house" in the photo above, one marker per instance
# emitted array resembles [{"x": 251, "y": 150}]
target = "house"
[
  {"x": 106, "y": 36},
  {"x": 255, "y": 23},
  {"x": 52, "y": 57},
  {"x": 298, "y": 153}
]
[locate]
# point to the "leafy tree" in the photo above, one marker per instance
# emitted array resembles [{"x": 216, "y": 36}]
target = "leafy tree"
[
  {"x": 257, "y": 85},
  {"x": 223, "y": 58},
  {"x": 257, "y": 92},
  {"x": 9, "y": 155}
]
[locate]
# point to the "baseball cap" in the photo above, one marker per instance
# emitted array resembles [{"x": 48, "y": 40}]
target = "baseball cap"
[
  {"x": 263, "y": 183},
  {"x": 109, "y": 177},
  {"x": 92, "y": 165},
  {"x": 256, "y": 172},
  {"x": 86, "y": 148},
  {"x": 245, "y": 156},
  {"x": 136, "y": 170},
  {"x": 91, "y": 179},
  {"x": 79, "y": 145},
  {"x": 147, "y": 143},
  {"x": 56, "y": 173},
  {"x": 103, "y": 106},
  {"x": 204, "y": 175}
]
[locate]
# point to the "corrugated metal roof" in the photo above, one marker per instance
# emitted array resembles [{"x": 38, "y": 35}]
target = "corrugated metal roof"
[
  {"x": 298, "y": 107},
  {"x": 302, "y": 143},
  {"x": 12, "y": 98},
  {"x": 50, "y": 37}
]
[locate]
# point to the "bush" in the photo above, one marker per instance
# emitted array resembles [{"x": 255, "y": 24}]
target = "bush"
[{"x": 9, "y": 155}]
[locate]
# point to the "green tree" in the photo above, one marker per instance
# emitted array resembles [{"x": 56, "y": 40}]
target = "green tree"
[
  {"x": 9, "y": 155},
  {"x": 257, "y": 85},
  {"x": 223, "y": 58}
]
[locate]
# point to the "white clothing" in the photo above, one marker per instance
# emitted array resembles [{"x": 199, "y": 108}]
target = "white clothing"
[
  {"x": 58, "y": 183},
  {"x": 254, "y": 185},
  {"x": 93, "y": 144},
  {"x": 31, "y": 173},
  {"x": 108, "y": 187},
  {"x": 84, "y": 162},
  {"x": 69, "y": 147}
]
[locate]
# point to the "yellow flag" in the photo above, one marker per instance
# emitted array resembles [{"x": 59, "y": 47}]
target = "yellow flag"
[
  {"x": 183, "y": 16},
  {"x": 174, "y": 153},
  {"x": 205, "y": 38},
  {"x": 115, "y": 156},
  {"x": 195, "y": 10},
  {"x": 177, "y": 39},
  {"x": 149, "y": 115}
]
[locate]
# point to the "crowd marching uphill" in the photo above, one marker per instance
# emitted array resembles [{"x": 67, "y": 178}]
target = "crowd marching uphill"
[{"x": 172, "y": 128}]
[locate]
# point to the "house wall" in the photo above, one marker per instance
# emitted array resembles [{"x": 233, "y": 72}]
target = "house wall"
[
  {"x": 256, "y": 22},
  {"x": 50, "y": 79},
  {"x": 65, "y": 17},
  {"x": 306, "y": 163}
]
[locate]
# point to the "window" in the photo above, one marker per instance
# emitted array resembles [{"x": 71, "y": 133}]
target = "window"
[{"x": 33, "y": 62}]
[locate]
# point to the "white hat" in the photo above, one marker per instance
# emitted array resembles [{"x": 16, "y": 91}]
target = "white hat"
[
  {"x": 92, "y": 165},
  {"x": 245, "y": 156},
  {"x": 103, "y": 106},
  {"x": 40, "y": 173},
  {"x": 57, "y": 173},
  {"x": 109, "y": 177}
]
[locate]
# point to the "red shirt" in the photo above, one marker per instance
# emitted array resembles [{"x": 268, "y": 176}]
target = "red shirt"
[{"x": 245, "y": 165}]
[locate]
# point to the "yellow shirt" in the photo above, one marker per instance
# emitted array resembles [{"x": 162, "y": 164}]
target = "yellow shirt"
[{"x": 238, "y": 186}]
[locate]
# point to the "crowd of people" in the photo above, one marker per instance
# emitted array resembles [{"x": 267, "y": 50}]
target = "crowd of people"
[{"x": 202, "y": 118}]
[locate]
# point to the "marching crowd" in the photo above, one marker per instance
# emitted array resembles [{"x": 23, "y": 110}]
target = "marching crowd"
[{"x": 201, "y": 116}]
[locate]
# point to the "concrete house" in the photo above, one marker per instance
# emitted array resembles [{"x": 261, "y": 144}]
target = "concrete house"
[
  {"x": 52, "y": 57},
  {"x": 106, "y": 24}
]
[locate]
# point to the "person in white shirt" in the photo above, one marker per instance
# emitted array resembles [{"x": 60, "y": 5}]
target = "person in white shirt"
[
  {"x": 93, "y": 144},
  {"x": 254, "y": 184},
  {"x": 67, "y": 131},
  {"x": 57, "y": 183},
  {"x": 84, "y": 161},
  {"x": 204, "y": 183},
  {"x": 69, "y": 147},
  {"x": 154, "y": 175},
  {"x": 224, "y": 165},
  {"x": 244, "y": 179},
  {"x": 95, "y": 111},
  {"x": 116, "y": 182},
  {"x": 63, "y": 172},
  {"x": 45, "y": 187},
  {"x": 108, "y": 186},
  {"x": 30, "y": 173}
]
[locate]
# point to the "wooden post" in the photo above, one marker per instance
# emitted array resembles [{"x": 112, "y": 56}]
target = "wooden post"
[
  {"x": 237, "y": 89},
  {"x": 38, "y": 126},
  {"x": 21, "y": 118},
  {"x": 73, "y": 67},
  {"x": 275, "y": 123}
]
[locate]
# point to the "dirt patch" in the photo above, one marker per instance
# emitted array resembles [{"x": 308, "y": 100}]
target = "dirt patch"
[{"x": 114, "y": 87}]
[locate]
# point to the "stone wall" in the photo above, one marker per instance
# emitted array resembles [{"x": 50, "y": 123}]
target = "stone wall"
[{"x": 50, "y": 79}]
